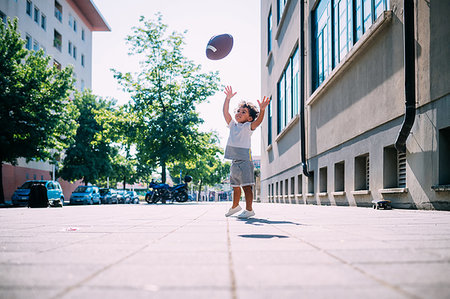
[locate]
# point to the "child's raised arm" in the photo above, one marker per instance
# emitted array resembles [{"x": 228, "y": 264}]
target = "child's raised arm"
[
  {"x": 262, "y": 108},
  {"x": 226, "y": 104}
]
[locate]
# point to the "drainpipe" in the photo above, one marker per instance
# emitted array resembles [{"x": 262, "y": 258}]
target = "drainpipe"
[
  {"x": 410, "y": 87},
  {"x": 302, "y": 90}
]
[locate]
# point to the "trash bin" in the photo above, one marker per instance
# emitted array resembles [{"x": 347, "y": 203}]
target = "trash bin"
[{"x": 38, "y": 196}]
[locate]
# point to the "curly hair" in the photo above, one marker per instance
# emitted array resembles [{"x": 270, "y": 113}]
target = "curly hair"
[{"x": 252, "y": 109}]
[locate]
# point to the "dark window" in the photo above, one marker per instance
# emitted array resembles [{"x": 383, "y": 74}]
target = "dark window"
[
  {"x": 311, "y": 182},
  {"x": 58, "y": 11},
  {"x": 43, "y": 22},
  {"x": 29, "y": 7},
  {"x": 28, "y": 42},
  {"x": 281, "y": 4},
  {"x": 269, "y": 32},
  {"x": 362, "y": 172},
  {"x": 339, "y": 176},
  {"x": 57, "y": 40},
  {"x": 288, "y": 92},
  {"x": 269, "y": 124},
  {"x": 323, "y": 180},
  {"x": 36, "y": 14},
  {"x": 444, "y": 156},
  {"x": 394, "y": 168}
]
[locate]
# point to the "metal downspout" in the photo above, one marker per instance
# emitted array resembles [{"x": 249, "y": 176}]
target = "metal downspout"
[
  {"x": 302, "y": 90},
  {"x": 410, "y": 87}
]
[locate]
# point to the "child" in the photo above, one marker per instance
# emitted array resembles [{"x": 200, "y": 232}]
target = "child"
[{"x": 247, "y": 119}]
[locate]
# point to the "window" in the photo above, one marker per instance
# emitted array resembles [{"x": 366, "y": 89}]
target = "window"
[
  {"x": 292, "y": 185},
  {"x": 394, "y": 168},
  {"x": 286, "y": 187},
  {"x": 444, "y": 157},
  {"x": 43, "y": 21},
  {"x": 82, "y": 85},
  {"x": 299, "y": 184},
  {"x": 269, "y": 123},
  {"x": 2, "y": 17},
  {"x": 57, "y": 64},
  {"x": 339, "y": 176},
  {"x": 323, "y": 179},
  {"x": 36, "y": 14},
  {"x": 74, "y": 52},
  {"x": 82, "y": 34},
  {"x": 58, "y": 11},
  {"x": 281, "y": 4},
  {"x": 337, "y": 26},
  {"x": 362, "y": 172},
  {"x": 82, "y": 60},
  {"x": 28, "y": 42},
  {"x": 36, "y": 46},
  {"x": 57, "y": 40},
  {"x": 70, "y": 21},
  {"x": 69, "y": 48},
  {"x": 269, "y": 32},
  {"x": 311, "y": 183},
  {"x": 29, "y": 6},
  {"x": 75, "y": 25},
  {"x": 288, "y": 92}
]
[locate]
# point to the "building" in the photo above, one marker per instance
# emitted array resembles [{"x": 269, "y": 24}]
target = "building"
[
  {"x": 62, "y": 29},
  {"x": 339, "y": 73}
]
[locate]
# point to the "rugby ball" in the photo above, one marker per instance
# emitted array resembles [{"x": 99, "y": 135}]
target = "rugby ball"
[{"x": 219, "y": 46}]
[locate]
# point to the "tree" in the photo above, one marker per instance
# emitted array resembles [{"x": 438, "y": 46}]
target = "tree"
[
  {"x": 207, "y": 167},
  {"x": 36, "y": 117},
  {"x": 164, "y": 94},
  {"x": 89, "y": 157}
]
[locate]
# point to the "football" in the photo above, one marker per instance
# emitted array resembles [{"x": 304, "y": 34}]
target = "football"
[{"x": 219, "y": 46}]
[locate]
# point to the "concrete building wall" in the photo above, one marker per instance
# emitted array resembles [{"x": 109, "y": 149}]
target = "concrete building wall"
[{"x": 357, "y": 111}]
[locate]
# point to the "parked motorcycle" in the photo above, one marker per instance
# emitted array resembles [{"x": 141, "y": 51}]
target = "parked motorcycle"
[
  {"x": 164, "y": 192},
  {"x": 179, "y": 192}
]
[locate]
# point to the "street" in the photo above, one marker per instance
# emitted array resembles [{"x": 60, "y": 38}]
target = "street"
[{"x": 191, "y": 250}]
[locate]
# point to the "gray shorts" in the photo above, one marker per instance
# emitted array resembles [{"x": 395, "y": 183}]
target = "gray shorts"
[{"x": 242, "y": 173}]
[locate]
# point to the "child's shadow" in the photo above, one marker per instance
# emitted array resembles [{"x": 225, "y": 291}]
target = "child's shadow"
[{"x": 259, "y": 221}]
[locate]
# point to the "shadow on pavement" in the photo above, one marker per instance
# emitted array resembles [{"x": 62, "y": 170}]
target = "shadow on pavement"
[
  {"x": 259, "y": 221},
  {"x": 263, "y": 236}
]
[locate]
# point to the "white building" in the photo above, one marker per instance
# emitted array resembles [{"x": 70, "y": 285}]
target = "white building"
[{"x": 63, "y": 29}]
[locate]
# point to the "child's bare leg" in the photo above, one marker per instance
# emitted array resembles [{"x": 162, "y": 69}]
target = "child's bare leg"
[
  {"x": 236, "y": 196},
  {"x": 248, "y": 191}
]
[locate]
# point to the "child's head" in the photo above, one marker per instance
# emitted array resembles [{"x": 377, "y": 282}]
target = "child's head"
[{"x": 246, "y": 112}]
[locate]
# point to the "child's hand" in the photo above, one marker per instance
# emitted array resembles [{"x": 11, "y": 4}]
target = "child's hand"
[
  {"x": 229, "y": 92},
  {"x": 264, "y": 103}
]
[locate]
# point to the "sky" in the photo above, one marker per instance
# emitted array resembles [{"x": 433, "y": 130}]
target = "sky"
[{"x": 202, "y": 19}]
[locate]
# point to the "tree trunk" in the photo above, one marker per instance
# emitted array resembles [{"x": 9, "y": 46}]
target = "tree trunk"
[
  {"x": 124, "y": 182},
  {"x": 163, "y": 172},
  {"x": 199, "y": 197},
  {"x": 85, "y": 182},
  {"x": 2, "y": 195}
]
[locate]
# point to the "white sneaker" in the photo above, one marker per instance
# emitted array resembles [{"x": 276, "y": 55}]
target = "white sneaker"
[
  {"x": 233, "y": 211},
  {"x": 246, "y": 214}
]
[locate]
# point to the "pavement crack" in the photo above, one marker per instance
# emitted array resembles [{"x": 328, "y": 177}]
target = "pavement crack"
[{"x": 230, "y": 264}]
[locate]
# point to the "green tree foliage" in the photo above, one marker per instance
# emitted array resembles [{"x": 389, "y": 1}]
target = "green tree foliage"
[
  {"x": 164, "y": 94},
  {"x": 207, "y": 168},
  {"x": 90, "y": 156},
  {"x": 36, "y": 118}
]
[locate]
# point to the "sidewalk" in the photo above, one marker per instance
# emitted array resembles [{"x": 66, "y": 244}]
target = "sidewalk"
[{"x": 192, "y": 251}]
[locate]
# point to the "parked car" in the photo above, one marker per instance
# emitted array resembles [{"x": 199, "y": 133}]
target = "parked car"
[
  {"x": 85, "y": 195},
  {"x": 133, "y": 197},
  {"x": 122, "y": 196},
  {"x": 108, "y": 195},
  {"x": 54, "y": 193}
]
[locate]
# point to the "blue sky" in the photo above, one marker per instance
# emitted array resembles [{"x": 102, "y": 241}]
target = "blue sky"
[{"x": 202, "y": 19}]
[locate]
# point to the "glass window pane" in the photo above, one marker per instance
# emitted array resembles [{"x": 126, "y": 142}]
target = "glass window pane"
[{"x": 367, "y": 19}]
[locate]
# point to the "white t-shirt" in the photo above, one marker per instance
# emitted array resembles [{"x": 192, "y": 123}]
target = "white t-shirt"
[{"x": 239, "y": 141}]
